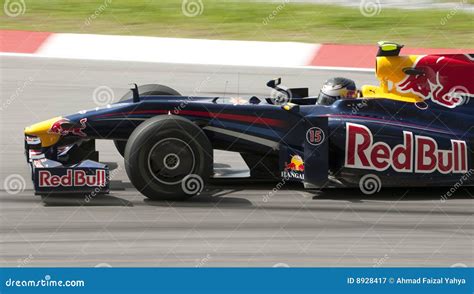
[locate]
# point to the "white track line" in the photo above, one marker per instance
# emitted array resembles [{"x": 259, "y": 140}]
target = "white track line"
[{"x": 302, "y": 67}]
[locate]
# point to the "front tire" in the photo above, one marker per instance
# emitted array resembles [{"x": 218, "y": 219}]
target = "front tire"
[{"x": 168, "y": 158}]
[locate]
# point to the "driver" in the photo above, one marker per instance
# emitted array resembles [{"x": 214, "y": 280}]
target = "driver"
[{"x": 335, "y": 89}]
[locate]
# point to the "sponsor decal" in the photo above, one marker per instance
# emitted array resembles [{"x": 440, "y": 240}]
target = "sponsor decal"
[
  {"x": 72, "y": 178},
  {"x": 445, "y": 80},
  {"x": 294, "y": 169},
  {"x": 57, "y": 128},
  {"x": 315, "y": 136},
  {"x": 419, "y": 154}
]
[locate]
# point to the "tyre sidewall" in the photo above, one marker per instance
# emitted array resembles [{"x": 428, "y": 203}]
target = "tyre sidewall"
[{"x": 142, "y": 141}]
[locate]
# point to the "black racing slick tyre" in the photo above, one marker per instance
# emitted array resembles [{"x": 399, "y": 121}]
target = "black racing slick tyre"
[
  {"x": 120, "y": 146},
  {"x": 151, "y": 89},
  {"x": 168, "y": 158},
  {"x": 148, "y": 89}
]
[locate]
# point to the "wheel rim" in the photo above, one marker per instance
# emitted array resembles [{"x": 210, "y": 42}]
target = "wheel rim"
[{"x": 170, "y": 160}]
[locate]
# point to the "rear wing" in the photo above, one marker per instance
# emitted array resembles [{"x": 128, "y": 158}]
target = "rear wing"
[{"x": 444, "y": 79}]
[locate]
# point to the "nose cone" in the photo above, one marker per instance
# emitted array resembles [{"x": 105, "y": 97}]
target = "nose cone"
[{"x": 42, "y": 130}]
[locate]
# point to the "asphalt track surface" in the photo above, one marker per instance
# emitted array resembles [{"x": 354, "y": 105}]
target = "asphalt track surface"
[{"x": 233, "y": 222}]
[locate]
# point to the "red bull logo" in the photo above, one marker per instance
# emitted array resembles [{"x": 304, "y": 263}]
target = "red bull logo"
[
  {"x": 444, "y": 79},
  {"x": 59, "y": 127},
  {"x": 72, "y": 178},
  {"x": 419, "y": 154},
  {"x": 295, "y": 164},
  {"x": 294, "y": 169}
]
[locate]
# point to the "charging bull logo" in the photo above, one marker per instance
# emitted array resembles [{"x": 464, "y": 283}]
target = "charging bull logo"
[
  {"x": 63, "y": 127},
  {"x": 294, "y": 169},
  {"x": 419, "y": 154},
  {"x": 446, "y": 80}
]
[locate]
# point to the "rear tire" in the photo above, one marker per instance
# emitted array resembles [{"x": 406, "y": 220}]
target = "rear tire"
[
  {"x": 148, "y": 89},
  {"x": 168, "y": 158}
]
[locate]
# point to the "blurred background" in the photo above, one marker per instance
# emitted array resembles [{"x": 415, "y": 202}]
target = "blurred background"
[{"x": 417, "y": 23}]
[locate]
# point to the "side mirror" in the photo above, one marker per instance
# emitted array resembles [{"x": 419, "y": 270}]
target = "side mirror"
[
  {"x": 273, "y": 83},
  {"x": 136, "y": 94}
]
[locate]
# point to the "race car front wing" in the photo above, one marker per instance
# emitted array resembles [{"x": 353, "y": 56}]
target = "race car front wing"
[{"x": 49, "y": 175}]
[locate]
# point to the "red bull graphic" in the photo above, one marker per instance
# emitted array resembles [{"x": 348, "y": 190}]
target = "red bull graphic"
[
  {"x": 72, "y": 178},
  {"x": 419, "y": 154},
  {"x": 59, "y": 129},
  {"x": 294, "y": 169},
  {"x": 447, "y": 80}
]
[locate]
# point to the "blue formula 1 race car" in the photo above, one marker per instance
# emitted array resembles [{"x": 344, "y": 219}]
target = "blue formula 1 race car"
[{"x": 412, "y": 130}]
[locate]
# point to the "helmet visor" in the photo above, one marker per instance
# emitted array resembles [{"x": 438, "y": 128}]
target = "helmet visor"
[{"x": 325, "y": 99}]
